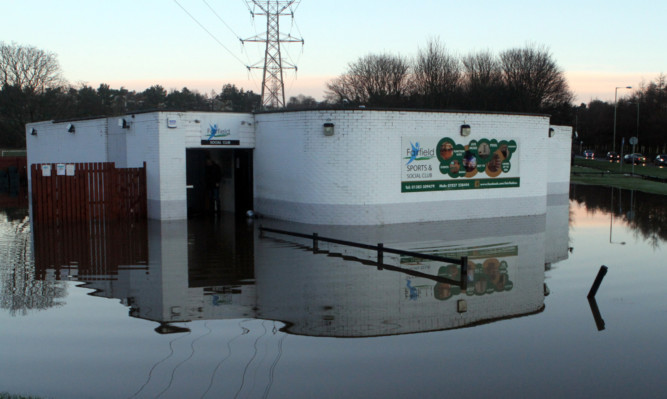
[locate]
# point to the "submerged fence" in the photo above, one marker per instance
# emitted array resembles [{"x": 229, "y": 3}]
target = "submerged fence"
[
  {"x": 380, "y": 250},
  {"x": 92, "y": 191}
]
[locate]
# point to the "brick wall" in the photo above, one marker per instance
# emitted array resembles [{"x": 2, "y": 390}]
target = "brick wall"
[{"x": 354, "y": 176}]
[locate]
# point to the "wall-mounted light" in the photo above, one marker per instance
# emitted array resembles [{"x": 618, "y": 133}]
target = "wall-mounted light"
[
  {"x": 465, "y": 130},
  {"x": 461, "y": 306},
  {"x": 33, "y": 131},
  {"x": 123, "y": 124},
  {"x": 552, "y": 132},
  {"x": 328, "y": 129},
  {"x": 70, "y": 128}
]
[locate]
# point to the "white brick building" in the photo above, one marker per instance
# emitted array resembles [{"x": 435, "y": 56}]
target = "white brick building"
[{"x": 335, "y": 167}]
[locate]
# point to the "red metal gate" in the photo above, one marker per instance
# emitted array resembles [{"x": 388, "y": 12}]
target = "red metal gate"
[{"x": 87, "y": 191}]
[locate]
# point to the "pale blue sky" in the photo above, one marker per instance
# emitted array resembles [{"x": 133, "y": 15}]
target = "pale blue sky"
[{"x": 138, "y": 43}]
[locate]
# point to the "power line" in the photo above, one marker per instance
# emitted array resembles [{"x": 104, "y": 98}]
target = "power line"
[
  {"x": 221, "y": 20},
  {"x": 211, "y": 34}
]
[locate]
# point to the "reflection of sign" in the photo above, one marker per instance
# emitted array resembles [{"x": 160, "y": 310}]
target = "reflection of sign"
[
  {"x": 487, "y": 273},
  {"x": 434, "y": 165}
]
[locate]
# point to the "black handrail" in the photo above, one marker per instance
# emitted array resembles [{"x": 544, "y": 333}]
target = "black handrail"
[{"x": 381, "y": 249}]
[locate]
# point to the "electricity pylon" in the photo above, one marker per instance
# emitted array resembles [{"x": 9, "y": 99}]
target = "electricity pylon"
[{"x": 273, "y": 86}]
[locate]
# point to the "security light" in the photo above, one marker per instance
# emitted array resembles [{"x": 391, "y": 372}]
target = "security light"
[
  {"x": 70, "y": 128},
  {"x": 465, "y": 130},
  {"x": 33, "y": 132},
  {"x": 328, "y": 129}
]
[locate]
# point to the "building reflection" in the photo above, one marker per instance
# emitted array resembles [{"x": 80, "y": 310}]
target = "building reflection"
[{"x": 179, "y": 271}]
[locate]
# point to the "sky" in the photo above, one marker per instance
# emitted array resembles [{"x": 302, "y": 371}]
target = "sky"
[{"x": 599, "y": 45}]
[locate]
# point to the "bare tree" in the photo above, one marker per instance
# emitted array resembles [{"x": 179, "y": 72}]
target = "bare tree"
[
  {"x": 482, "y": 80},
  {"x": 534, "y": 80},
  {"x": 301, "y": 102},
  {"x": 28, "y": 68},
  {"x": 380, "y": 80},
  {"x": 28, "y": 77},
  {"x": 436, "y": 76}
]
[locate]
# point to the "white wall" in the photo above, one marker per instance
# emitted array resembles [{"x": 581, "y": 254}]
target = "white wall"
[
  {"x": 52, "y": 143},
  {"x": 354, "y": 176},
  {"x": 560, "y": 153}
]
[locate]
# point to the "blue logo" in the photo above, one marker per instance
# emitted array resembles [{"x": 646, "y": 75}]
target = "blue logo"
[
  {"x": 414, "y": 153},
  {"x": 215, "y": 131},
  {"x": 412, "y": 290}
]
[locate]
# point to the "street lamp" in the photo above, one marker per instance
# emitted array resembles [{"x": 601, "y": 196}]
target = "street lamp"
[
  {"x": 613, "y": 146},
  {"x": 611, "y": 221}
]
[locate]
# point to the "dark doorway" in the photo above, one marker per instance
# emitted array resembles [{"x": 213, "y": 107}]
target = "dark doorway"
[{"x": 236, "y": 193}]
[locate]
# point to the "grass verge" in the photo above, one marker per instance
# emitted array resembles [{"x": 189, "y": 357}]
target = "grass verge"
[
  {"x": 593, "y": 176},
  {"x": 649, "y": 169}
]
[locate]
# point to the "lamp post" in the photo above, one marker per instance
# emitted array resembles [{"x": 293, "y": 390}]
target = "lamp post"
[
  {"x": 637, "y": 102},
  {"x": 611, "y": 221},
  {"x": 613, "y": 145}
]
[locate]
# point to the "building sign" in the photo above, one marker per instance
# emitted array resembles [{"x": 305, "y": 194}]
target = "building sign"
[
  {"x": 429, "y": 164},
  {"x": 219, "y": 132}
]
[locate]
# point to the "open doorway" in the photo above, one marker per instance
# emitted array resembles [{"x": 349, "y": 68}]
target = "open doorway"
[{"x": 235, "y": 186}]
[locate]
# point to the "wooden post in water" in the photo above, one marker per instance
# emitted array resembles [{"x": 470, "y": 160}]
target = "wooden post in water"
[{"x": 597, "y": 282}]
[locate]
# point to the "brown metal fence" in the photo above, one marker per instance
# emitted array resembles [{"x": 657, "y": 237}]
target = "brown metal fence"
[{"x": 93, "y": 191}]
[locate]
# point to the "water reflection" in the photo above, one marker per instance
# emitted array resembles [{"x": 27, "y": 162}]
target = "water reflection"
[
  {"x": 643, "y": 212},
  {"x": 205, "y": 269},
  {"x": 21, "y": 290},
  {"x": 219, "y": 296}
]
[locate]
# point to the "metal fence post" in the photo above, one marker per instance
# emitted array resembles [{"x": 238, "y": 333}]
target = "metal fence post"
[
  {"x": 380, "y": 255},
  {"x": 464, "y": 272}
]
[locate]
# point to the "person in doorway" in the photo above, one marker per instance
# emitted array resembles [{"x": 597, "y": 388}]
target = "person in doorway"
[{"x": 213, "y": 175}]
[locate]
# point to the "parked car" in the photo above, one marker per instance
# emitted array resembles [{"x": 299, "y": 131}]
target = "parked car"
[
  {"x": 634, "y": 158},
  {"x": 660, "y": 160},
  {"x": 613, "y": 156},
  {"x": 589, "y": 154}
]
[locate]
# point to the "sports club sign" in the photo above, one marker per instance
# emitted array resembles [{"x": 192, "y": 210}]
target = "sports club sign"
[
  {"x": 214, "y": 132},
  {"x": 429, "y": 164}
]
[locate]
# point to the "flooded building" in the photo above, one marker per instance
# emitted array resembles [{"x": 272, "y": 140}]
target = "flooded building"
[{"x": 327, "y": 167}]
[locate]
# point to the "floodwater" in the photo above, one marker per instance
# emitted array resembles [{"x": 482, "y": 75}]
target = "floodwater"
[{"x": 212, "y": 309}]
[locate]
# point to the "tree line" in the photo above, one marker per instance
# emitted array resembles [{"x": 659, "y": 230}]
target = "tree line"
[
  {"x": 524, "y": 80},
  {"x": 642, "y": 114}
]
